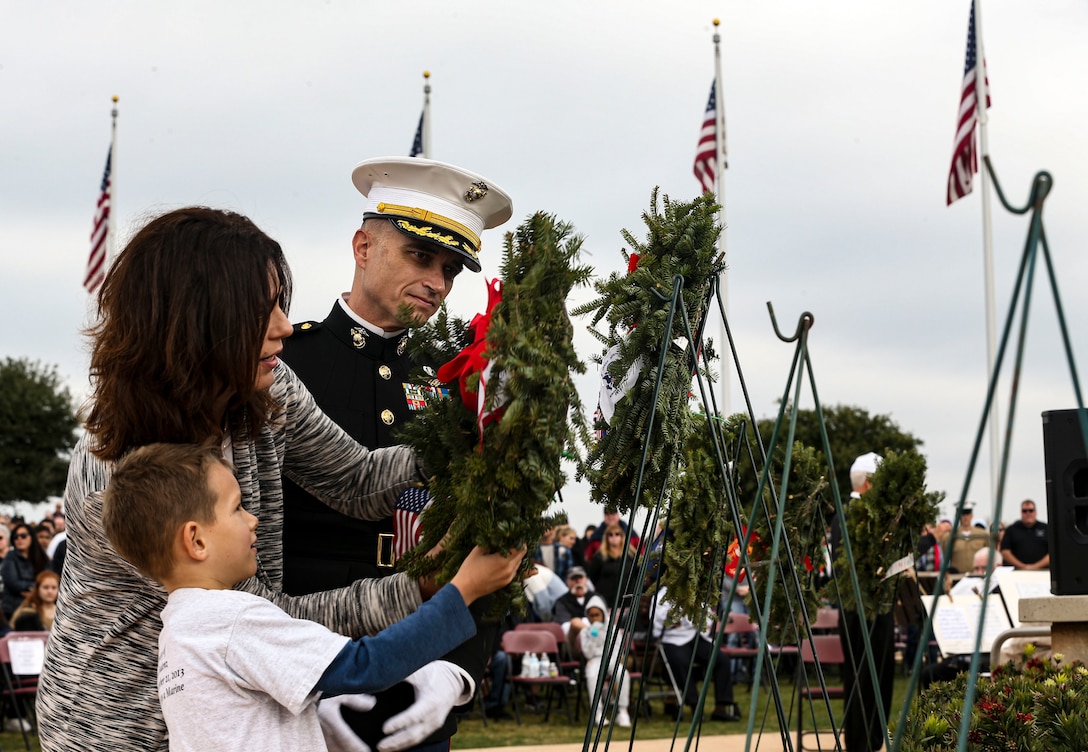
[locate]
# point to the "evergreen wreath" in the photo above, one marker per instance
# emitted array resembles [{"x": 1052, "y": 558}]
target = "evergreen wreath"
[
  {"x": 681, "y": 242},
  {"x": 494, "y": 491},
  {"x": 700, "y": 529},
  {"x": 883, "y": 525},
  {"x": 804, "y": 513}
]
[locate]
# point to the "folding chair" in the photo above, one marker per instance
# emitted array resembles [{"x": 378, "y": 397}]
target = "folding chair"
[
  {"x": 656, "y": 681},
  {"x": 567, "y": 662},
  {"x": 520, "y": 641},
  {"x": 828, "y": 652},
  {"x": 23, "y": 685},
  {"x": 741, "y": 624},
  {"x": 827, "y": 620}
]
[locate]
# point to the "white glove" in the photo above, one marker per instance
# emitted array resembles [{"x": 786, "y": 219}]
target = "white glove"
[
  {"x": 338, "y": 734},
  {"x": 439, "y": 687}
]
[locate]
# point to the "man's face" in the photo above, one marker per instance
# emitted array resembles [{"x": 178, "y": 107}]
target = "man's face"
[
  {"x": 1027, "y": 514},
  {"x": 396, "y": 272},
  {"x": 577, "y": 584}
]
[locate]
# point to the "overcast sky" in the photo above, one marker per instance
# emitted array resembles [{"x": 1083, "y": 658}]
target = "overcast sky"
[{"x": 840, "y": 115}]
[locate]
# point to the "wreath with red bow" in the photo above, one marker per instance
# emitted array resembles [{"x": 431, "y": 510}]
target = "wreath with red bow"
[{"x": 495, "y": 447}]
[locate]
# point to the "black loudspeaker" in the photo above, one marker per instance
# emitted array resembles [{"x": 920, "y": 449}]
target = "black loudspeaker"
[{"x": 1066, "y": 466}]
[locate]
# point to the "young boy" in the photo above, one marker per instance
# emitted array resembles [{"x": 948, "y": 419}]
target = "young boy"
[
  {"x": 235, "y": 671},
  {"x": 591, "y": 641}
]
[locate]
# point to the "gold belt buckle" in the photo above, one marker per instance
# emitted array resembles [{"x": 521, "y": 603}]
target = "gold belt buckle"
[{"x": 385, "y": 556}]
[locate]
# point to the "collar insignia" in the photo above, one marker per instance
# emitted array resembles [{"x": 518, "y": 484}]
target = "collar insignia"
[{"x": 358, "y": 337}]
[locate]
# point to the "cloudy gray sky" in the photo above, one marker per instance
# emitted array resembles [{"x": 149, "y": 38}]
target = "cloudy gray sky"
[{"x": 840, "y": 125}]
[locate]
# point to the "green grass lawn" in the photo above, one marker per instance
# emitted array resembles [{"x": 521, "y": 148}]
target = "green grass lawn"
[
  {"x": 10, "y": 742},
  {"x": 534, "y": 731}
]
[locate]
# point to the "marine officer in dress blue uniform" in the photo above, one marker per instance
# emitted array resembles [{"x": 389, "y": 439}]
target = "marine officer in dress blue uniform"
[{"x": 422, "y": 222}]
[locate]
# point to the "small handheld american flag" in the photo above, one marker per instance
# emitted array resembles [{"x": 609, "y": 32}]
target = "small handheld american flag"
[{"x": 406, "y": 525}]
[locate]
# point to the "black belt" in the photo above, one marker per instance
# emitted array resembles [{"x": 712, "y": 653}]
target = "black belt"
[
  {"x": 312, "y": 574},
  {"x": 362, "y": 547}
]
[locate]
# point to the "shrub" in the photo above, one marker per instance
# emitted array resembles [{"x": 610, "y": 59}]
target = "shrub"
[{"x": 1027, "y": 704}]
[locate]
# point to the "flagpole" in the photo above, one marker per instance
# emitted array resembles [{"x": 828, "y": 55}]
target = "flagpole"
[
  {"x": 720, "y": 165},
  {"x": 987, "y": 247},
  {"x": 110, "y": 250},
  {"x": 426, "y": 114}
]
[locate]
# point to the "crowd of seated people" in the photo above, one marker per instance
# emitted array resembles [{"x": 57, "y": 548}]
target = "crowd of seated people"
[
  {"x": 30, "y": 582},
  {"x": 573, "y": 601}
]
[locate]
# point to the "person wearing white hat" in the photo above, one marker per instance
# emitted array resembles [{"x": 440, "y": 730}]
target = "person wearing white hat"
[
  {"x": 422, "y": 225},
  {"x": 861, "y": 720},
  {"x": 863, "y": 467}
]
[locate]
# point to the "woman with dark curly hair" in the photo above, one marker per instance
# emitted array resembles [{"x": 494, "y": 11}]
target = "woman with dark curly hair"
[{"x": 191, "y": 320}]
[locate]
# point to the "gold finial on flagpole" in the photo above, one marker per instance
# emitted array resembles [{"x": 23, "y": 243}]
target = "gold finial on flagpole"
[{"x": 717, "y": 22}]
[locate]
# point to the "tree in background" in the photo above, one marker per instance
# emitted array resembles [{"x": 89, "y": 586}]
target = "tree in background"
[
  {"x": 37, "y": 430},
  {"x": 851, "y": 431},
  {"x": 807, "y": 512},
  {"x": 700, "y": 524}
]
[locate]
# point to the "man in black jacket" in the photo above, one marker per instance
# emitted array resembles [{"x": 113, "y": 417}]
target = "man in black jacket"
[
  {"x": 570, "y": 609},
  {"x": 421, "y": 226}
]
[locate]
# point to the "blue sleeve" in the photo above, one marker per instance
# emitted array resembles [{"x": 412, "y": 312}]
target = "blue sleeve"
[{"x": 371, "y": 664}]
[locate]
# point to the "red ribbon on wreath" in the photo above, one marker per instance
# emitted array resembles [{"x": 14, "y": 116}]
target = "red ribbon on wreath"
[
  {"x": 733, "y": 569},
  {"x": 471, "y": 361}
]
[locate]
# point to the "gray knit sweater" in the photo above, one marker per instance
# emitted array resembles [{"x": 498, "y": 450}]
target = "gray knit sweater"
[{"x": 98, "y": 687}]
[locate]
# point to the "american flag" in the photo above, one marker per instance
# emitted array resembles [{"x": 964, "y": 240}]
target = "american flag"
[
  {"x": 964, "y": 157},
  {"x": 706, "y": 158},
  {"x": 417, "y": 143},
  {"x": 406, "y": 527},
  {"x": 96, "y": 262}
]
